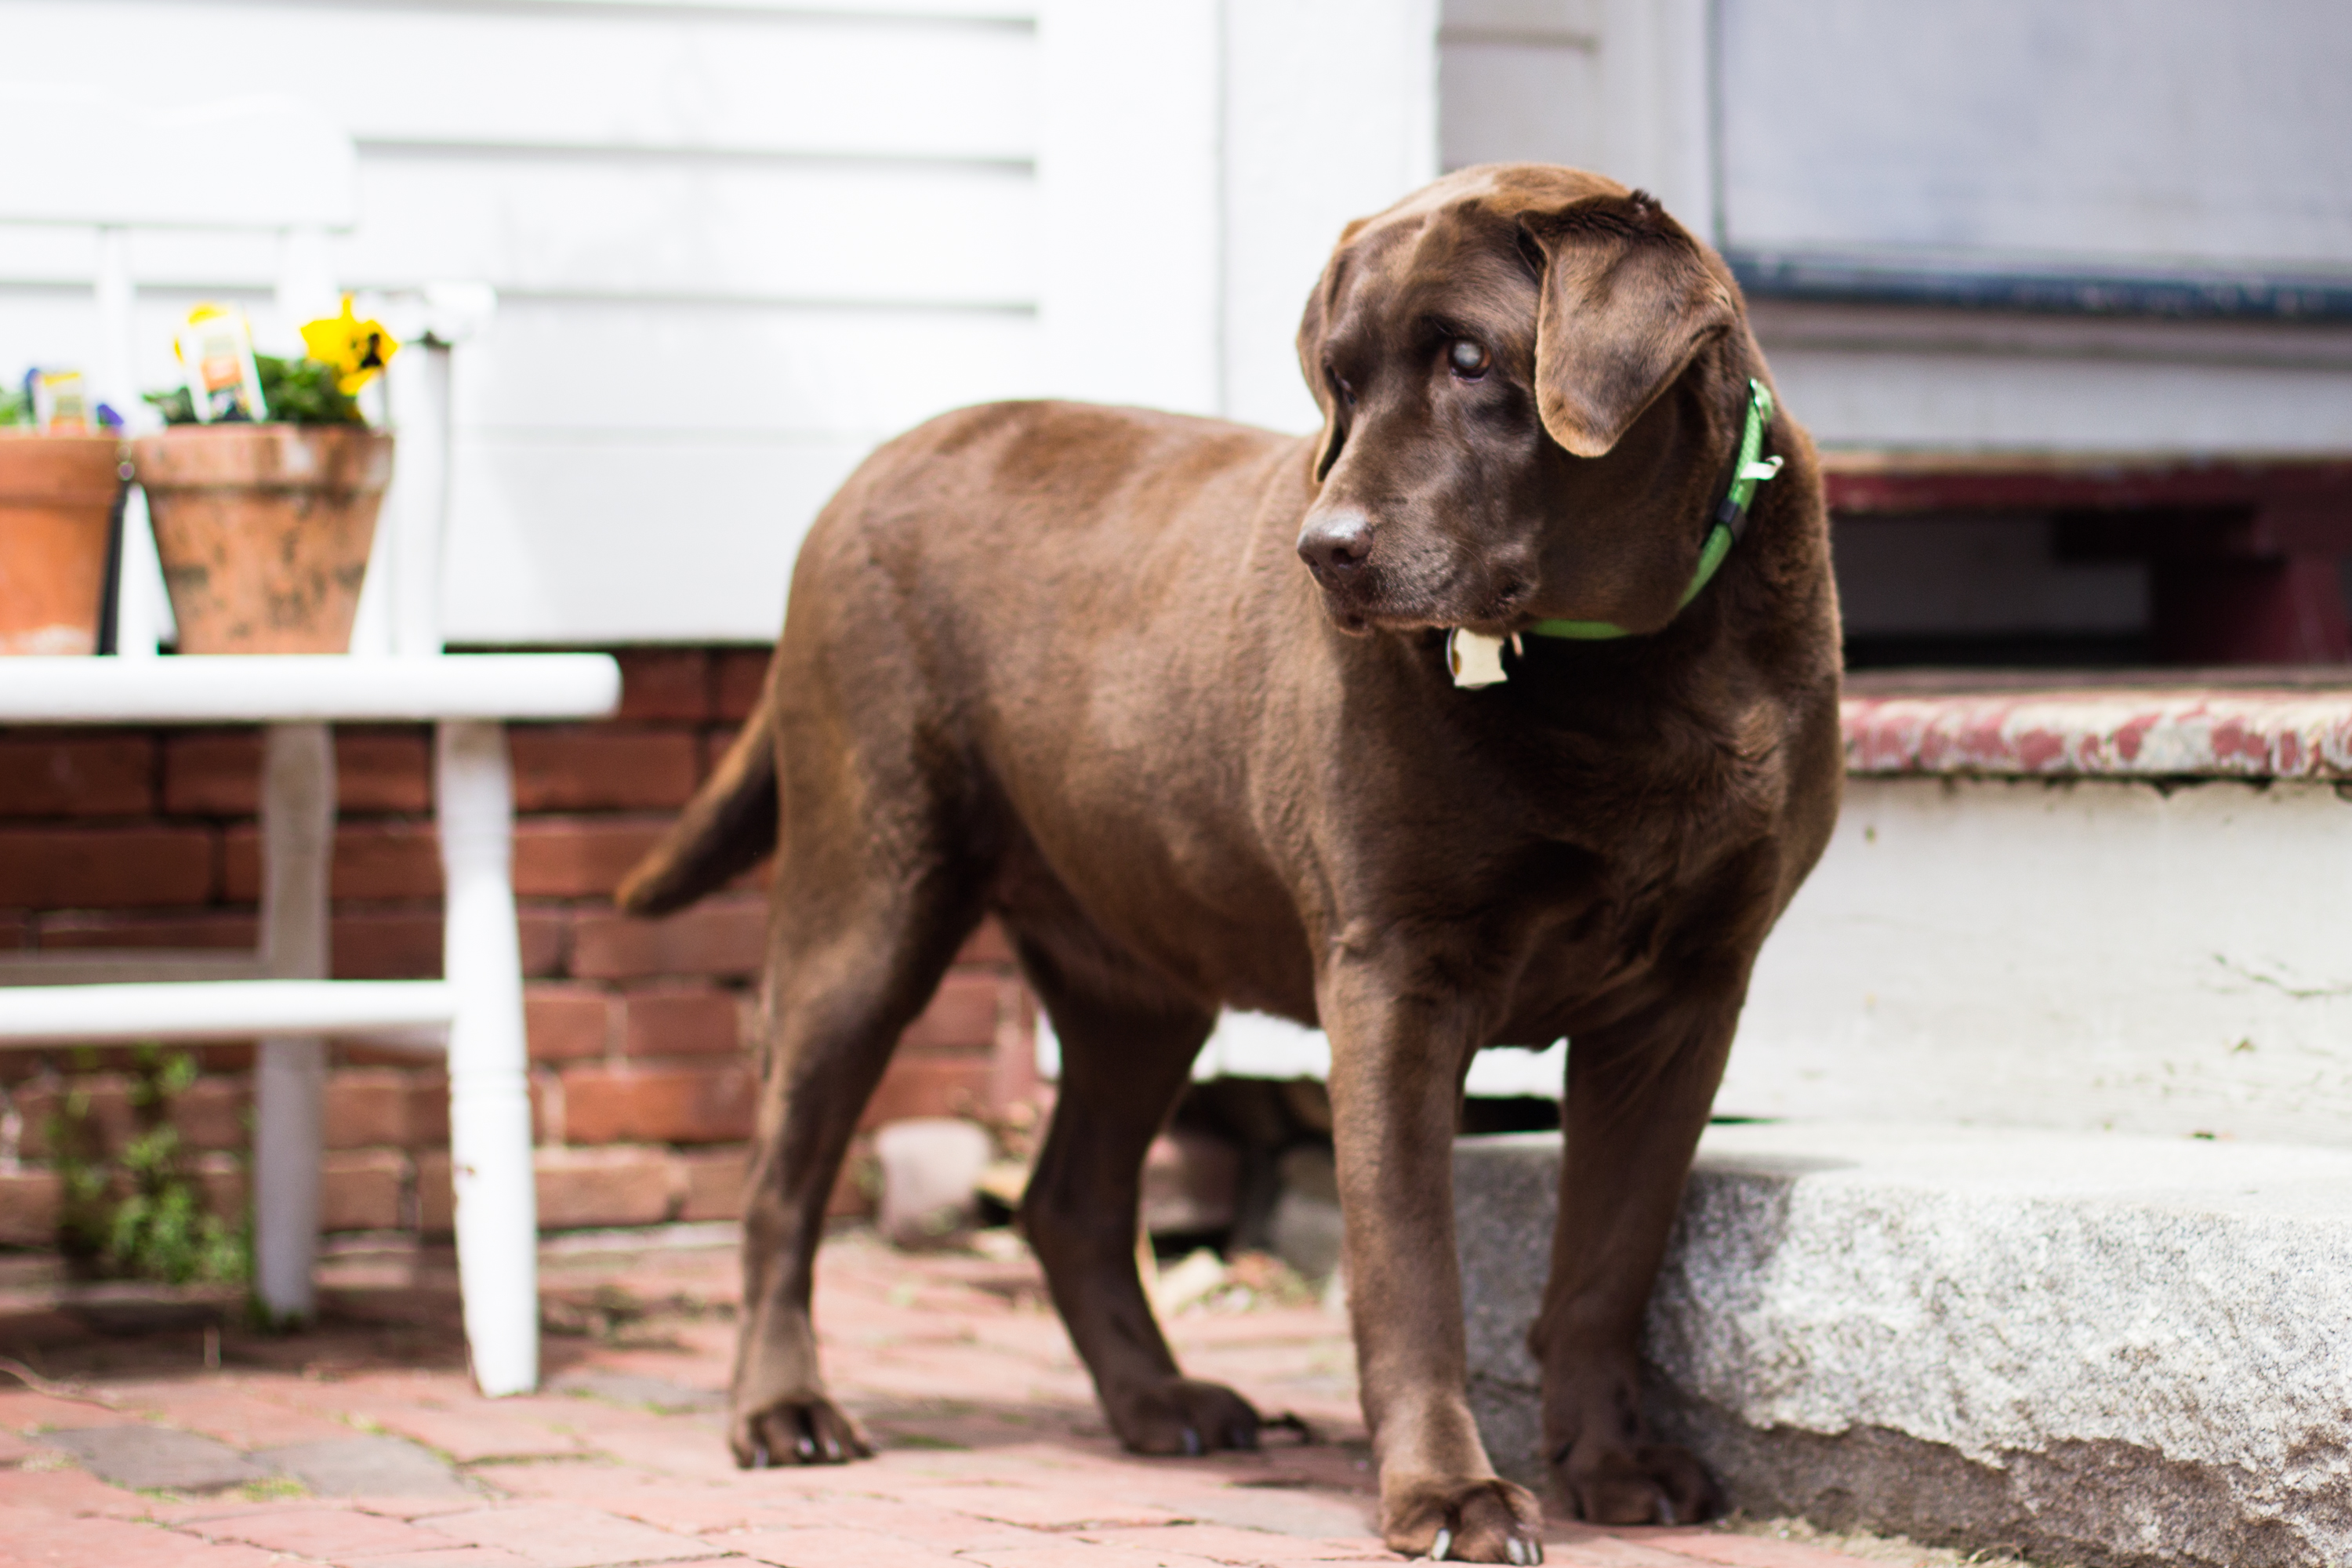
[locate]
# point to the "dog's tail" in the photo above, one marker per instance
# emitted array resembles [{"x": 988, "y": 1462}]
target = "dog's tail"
[{"x": 724, "y": 830}]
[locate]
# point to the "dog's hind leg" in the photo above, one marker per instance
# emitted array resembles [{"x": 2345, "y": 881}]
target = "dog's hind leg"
[
  {"x": 848, "y": 969},
  {"x": 1123, "y": 1064}
]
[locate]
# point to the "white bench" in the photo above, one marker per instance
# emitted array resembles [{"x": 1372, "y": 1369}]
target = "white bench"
[{"x": 280, "y": 993}]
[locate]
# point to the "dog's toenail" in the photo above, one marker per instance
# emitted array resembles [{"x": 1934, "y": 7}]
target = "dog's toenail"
[
  {"x": 1666, "y": 1511},
  {"x": 759, "y": 1456},
  {"x": 1443, "y": 1547},
  {"x": 832, "y": 1451},
  {"x": 807, "y": 1450},
  {"x": 1192, "y": 1443}
]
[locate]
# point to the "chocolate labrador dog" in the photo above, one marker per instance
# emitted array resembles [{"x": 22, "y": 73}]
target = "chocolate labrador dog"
[{"x": 1502, "y": 709}]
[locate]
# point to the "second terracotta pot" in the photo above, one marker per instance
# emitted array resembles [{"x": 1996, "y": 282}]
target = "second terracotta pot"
[
  {"x": 264, "y": 530},
  {"x": 57, "y": 496}
]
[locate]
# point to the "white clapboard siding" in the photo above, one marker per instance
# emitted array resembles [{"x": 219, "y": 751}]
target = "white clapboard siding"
[
  {"x": 760, "y": 78},
  {"x": 2115, "y": 131},
  {"x": 1520, "y": 80},
  {"x": 735, "y": 245}
]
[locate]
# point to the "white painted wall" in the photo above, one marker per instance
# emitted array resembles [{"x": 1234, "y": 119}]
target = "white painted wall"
[
  {"x": 2089, "y": 954},
  {"x": 2115, "y": 136},
  {"x": 738, "y": 244}
]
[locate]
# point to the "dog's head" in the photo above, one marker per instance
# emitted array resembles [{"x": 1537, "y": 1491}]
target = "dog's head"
[{"x": 1531, "y": 381}]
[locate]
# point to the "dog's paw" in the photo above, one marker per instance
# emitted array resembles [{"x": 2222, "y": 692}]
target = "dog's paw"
[
  {"x": 808, "y": 1431},
  {"x": 1464, "y": 1521},
  {"x": 1655, "y": 1484},
  {"x": 1188, "y": 1417}
]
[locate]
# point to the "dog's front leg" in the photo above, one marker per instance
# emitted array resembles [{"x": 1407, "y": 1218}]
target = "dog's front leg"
[
  {"x": 1639, "y": 1093},
  {"x": 1395, "y": 1066}
]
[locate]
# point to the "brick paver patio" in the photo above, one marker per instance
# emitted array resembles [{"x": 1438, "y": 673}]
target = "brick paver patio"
[{"x": 361, "y": 1442}]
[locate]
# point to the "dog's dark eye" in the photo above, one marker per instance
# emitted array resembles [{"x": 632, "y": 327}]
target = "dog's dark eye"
[
  {"x": 1348, "y": 391},
  {"x": 1469, "y": 358}
]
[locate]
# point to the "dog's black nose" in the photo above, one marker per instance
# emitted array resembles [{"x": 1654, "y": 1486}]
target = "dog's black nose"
[{"x": 1334, "y": 544}]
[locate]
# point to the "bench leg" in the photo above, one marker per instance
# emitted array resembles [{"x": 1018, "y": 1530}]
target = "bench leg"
[
  {"x": 490, "y": 1104},
  {"x": 297, "y": 832}
]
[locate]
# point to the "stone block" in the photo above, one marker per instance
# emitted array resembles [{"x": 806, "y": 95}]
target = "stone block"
[
  {"x": 930, "y": 1177},
  {"x": 376, "y": 1465},
  {"x": 150, "y": 1458},
  {"x": 1305, "y": 1229},
  {"x": 2071, "y": 1346}
]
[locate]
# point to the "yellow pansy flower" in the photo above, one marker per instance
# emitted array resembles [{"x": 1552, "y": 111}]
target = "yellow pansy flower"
[{"x": 358, "y": 349}]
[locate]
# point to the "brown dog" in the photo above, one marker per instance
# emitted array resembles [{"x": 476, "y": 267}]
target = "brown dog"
[{"x": 1062, "y": 664}]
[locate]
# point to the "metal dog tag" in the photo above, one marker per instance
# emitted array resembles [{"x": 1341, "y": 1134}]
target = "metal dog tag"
[{"x": 1474, "y": 658}]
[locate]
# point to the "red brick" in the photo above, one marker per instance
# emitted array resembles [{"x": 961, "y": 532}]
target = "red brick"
[
  {"x": 989, "y": 944},
  {"x": 712, "y": 1182},
  {"x": 823, "y": 1547},
  {"x": 228, "y": 930},
  {"x": 361, "y": 1190},
  {"x": 213, "y": 774},
  {"x": 28, "y": 1208},
  {"x": 437, "y": 1200},
  {"x": 723, "y": 936},
  {"x": 210, "y": 1113},
  {"x": 581, "y": 1187},
  {"x": 962, "y": 1016},
  {"x": 107, "y": 1109},
  {"x": 335, "y": 1534},
  {"x": 379, "y": 1108},
  {"x": 738, "y": 678},
  {"x": 600, "y": 767},
  {"x": 667, "y": 1103},
  {"x": 545, "y": 932},
  {"x": 545, "y": 1085},
  {"x": 929, "y": 1086},
  {"x": 428, "y": 1108},
  {"x": 566, "y": 1022},
  {"x": 387, "y": 944},
  {"x": 224, "y": 1181},
  {"x": 107, "y": 867},
  {"x": 682, "y": 1021},
  {"x": 76, "y": 775},
  {"x": 374, "y": 861},
  {"x": 665, "y": 682},
  {"x": 571, "y": 858},
  {"x": 384, "y": 770},
  {"x": 218, "y": 773}
]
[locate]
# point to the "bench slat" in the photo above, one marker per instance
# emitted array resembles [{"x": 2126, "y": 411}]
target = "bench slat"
[{"x": 222, "y": 1009}]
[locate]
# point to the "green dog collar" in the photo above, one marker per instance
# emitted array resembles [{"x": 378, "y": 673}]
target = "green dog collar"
[{"x": 1751, "y": 469}]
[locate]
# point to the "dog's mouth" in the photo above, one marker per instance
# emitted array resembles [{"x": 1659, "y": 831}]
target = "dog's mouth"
[{"x": 1360, "y": 608}]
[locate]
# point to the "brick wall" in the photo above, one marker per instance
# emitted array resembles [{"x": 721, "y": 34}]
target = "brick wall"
[{"x": 642, "y": 1087}]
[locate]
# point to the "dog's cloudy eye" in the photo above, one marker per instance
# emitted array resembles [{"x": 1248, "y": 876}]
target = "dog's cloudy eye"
[{"x": 1469, "y": 357}]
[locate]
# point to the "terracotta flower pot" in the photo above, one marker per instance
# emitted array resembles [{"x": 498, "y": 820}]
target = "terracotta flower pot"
[
  {"x": 264, "y": 530},
  {"x": 57, "y": 496}
]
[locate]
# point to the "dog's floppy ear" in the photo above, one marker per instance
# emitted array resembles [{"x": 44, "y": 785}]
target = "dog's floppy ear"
[
  {"x": 1627, "y": 301},
  {"x": 1311, "y": 328}
]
